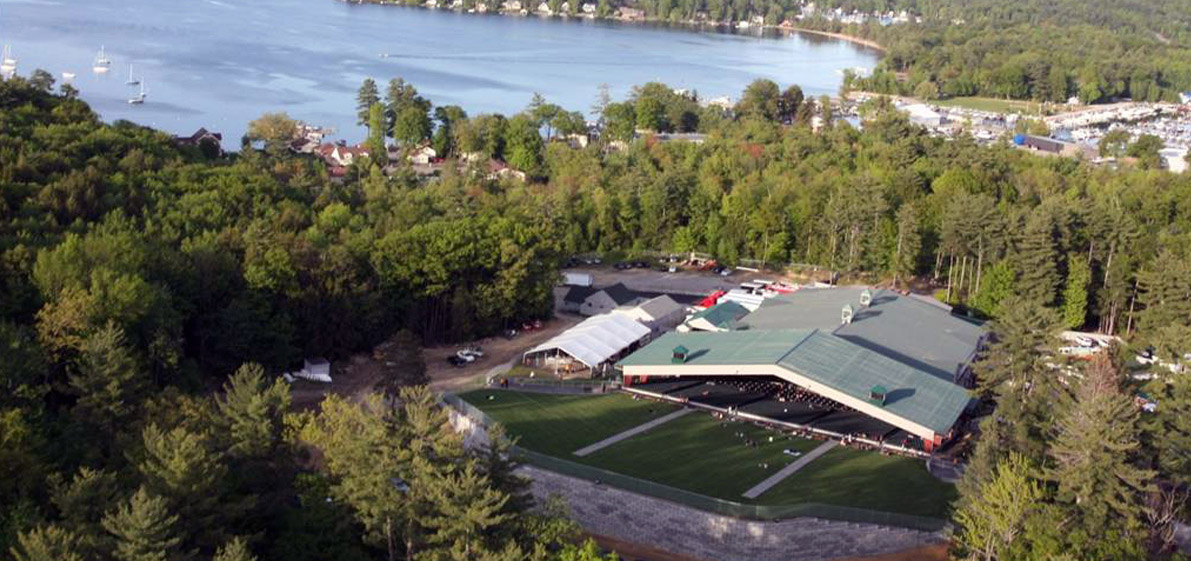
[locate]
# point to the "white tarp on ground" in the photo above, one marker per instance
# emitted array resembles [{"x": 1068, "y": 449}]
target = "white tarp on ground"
[{"x": 597, "y": 339}]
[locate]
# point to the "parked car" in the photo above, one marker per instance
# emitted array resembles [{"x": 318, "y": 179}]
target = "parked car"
[
  {"x": 790, "y": 452},
  {"x": 457, "y": 362},
  {"x": 465, "y": 356}
]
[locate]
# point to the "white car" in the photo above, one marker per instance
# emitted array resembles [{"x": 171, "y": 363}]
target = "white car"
[{"x": 792, "y": 453}]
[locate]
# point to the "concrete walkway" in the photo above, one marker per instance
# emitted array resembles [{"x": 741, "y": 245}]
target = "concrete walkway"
[
  {"x": 789, "y": 470},
  {"x": 587, "y": 450}
]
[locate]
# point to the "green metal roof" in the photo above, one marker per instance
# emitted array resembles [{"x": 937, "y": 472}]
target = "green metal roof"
[
  {"x": 711, "y": 348},
  {"x": 722, "y": 315},
  {"x": 913, "y": 394},
  {"x": 904, "y": 328}
]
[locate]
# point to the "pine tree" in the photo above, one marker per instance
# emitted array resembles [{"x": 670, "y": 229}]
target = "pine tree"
[
  {"x": 1038, "y": 257},
  {"x": 180, "y": 467},
  {"x": 107, "y": 381},
  {"x": 235, "y": 550},
  {"x": 1094, "y": 455},
  {"x": 368, "y": 96},
  {"x": 376, "y": 134},
  {"x": 1165, "y": 320},
  {"x": 1013, "y": 371},
  {"x": 1171, "y": 428},
  {"x": 144, "y": 528},
  {"x": 48, "y": 543},
  {"x": 909, "y": 243},
  {"x": 991, "y": 521},
  {"x": 465, "y": 510},
  {"x": 252, "y": 413},
  {"x": 81, "y": 504},
  {"x": 1075, "y": 296}
]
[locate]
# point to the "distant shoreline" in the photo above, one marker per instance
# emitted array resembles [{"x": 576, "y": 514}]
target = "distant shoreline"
[
  {"x": 692, "y": 24},
  {"x": 841, "y": 36}
]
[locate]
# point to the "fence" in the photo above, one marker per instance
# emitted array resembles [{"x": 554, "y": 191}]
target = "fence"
[{"x": 703, "y": 502}]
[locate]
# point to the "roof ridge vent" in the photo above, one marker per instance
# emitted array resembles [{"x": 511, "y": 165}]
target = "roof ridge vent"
[
  {"x": 866, "y": 298},
  {"x": 846, "y": 314}
]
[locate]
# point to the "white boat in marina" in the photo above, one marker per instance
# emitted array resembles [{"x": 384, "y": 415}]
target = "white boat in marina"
[
  {"x": 140, "y": 98},
  {"x": 102, "y": 62},
  {"x": 131, "y": 81}
]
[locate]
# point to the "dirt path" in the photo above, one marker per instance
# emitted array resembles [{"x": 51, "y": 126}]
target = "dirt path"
[{"x": 498, "y": 351}]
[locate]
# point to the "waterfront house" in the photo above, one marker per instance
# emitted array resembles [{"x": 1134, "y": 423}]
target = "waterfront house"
[
  {"x": 341, "y": 155},
  {"x": 500, "y": 170},
  {"x": 431, "y": 3},
  {"x": 422, "y": 155},
  {"x": 631, "y": 14},
  {"x": 511, "y": 6},
  {"x": 200, "y": 138},
  {"x": 544, "y": 9},
  {"x": 564, "y": 8},
  {"x": 588, "y": 8},
  {"x": 1174, "y": 159}
]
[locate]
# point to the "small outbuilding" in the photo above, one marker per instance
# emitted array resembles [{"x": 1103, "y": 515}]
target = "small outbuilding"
[{"x": 658, "y": 314}]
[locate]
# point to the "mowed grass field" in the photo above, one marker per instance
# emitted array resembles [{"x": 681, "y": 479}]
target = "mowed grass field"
[
  {"x": 990, "y": 104},
  {"x": 560, "y": 424},
  {"x": 700, "y": 454}
]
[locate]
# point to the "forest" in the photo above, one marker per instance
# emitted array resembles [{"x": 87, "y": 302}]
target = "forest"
[{"x": 150, "y": 293}]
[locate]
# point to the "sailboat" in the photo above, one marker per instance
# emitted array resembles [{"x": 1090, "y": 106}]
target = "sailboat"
[
  {"x": 8, "y": 63},
  {"x": 140, "y": 98},
  {"x": 131, "y": 81},
  {"x": 102, "y": 62}
]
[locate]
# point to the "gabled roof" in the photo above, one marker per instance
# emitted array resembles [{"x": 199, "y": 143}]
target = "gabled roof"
[
  {"x": 620, "y": 294},
  {"x": 578, "y": 294},
  {"x": 900, "y": 327},
  {"x": 660, "y": 307},
  {"x": 597, "y": 339},
  {"x": 723, "y": 315},
  {"x": 823, "y": 358}
]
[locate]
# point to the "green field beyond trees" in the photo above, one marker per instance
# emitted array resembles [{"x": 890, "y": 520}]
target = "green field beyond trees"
[{"x": 700, "y": 454}]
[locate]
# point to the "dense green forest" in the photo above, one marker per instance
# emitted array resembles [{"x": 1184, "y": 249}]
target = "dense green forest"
[
  {"x": 1047, "y": 51},
  {"x": 148, "y": 293}
]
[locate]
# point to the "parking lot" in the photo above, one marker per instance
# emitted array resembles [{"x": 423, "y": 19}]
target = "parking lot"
[{"x": 686, "y": 282}]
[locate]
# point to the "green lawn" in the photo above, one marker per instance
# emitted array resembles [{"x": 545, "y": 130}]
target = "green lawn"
[
  {"x": 698, "y": 453},
  {"x": 850, "y": 477},
  {"x": 990, "y": 104},
  {"x": 560, "y": 424}
]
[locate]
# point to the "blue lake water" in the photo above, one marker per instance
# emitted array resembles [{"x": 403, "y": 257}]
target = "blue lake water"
[{"x": 221, "y": 63}]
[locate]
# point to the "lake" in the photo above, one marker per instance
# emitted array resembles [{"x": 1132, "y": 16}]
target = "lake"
[{"x": 220, "y": 63}]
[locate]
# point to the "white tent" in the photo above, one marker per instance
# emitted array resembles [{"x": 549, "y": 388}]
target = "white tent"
[{"x": 597, "y": 339}]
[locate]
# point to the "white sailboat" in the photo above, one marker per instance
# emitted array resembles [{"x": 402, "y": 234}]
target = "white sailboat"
[
  {"x": 102, "y": 62},
  {"x": 8, "y": 63},
  {"x": 131, "y": 81},
  {"x": 140, "y": 98}
]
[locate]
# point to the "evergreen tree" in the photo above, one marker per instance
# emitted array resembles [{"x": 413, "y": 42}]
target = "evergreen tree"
[
  {"x": 48, "y": 543},
  {"x": 107, "y": 381},
  {"x": 991, "y": 523},
  {"x": 1038, "y": 257},
  {"x": 368, "y": 96},
  {"x": 376, "y": 134},
  {"x": 1075, "y": 296},
  {"x": 1165, "y": 321},
  {"x": 1171, "y": 429},
  {"x": 1014, "y": 371},
  {"x": 996, "y": 286},
  {"x": 180, "y": 467},
  {"x": 235, "y": 550},
  {"x": 909, "y": 243},
  {"x": 252, "y": 413},
  {"x": 81, "y": 504},
  {"x": 1094, "y": 461},
  {"x": 144, "y": 529}
]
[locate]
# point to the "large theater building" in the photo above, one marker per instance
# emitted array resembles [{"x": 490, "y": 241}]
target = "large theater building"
[{"x": 878, "y": 366}]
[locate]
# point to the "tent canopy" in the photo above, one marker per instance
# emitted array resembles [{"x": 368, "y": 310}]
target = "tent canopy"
[{"x": 596, "y": 340}]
